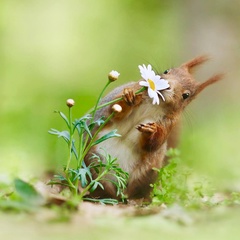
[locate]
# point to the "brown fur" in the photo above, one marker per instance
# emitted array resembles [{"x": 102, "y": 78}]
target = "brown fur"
[{"x": 147, "y": 129}]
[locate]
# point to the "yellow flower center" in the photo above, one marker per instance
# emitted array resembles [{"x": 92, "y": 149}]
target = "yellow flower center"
[{"x": 151, "y": 84}]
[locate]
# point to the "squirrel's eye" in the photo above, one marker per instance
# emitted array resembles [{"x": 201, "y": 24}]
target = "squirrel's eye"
[
  {"x": 185, "y": 95},
  {"x": 166, "y": 71}
]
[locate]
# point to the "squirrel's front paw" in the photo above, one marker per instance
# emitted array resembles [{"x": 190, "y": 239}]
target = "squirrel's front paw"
[
  {"x": 147, "y": 128},
  {"x": 129, "y": 96}
]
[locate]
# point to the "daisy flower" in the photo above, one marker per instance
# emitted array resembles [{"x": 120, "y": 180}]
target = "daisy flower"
[{"x": 153, "y": 82}]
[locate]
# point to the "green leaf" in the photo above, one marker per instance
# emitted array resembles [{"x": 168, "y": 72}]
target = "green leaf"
[
  {"x": 82, "y": 123},
  {"x": 85, "y": 172},
  {"x": 100, "y": 121},
  {"x": 95, "y": 185},
  {"x": 57, "y": 178},
  {"x": 27, "y": 192},
  {"x": 111, "y": 167},
  {"x": 63, "y": 116},
  {"x": 86, "y": 128},
  {"x": 64, "y": 134},
  {"x": 107, "y": 136},
  {"x": 74, "y": 150},
  {"x": 82, "y": 174},
  {"x": 102, "y": 201}
]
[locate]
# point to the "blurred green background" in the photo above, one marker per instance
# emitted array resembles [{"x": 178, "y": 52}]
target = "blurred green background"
[{"x": 52, "y": 50}]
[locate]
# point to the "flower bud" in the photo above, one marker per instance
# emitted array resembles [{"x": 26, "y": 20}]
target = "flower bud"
[
  {"x": 116, "y": 108},
  {"x": 113, "y": 76},
  {"x": 70, "y": 102}
]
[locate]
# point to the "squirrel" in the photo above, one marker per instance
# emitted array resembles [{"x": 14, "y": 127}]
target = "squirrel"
[{"x": 147, "y": 130}]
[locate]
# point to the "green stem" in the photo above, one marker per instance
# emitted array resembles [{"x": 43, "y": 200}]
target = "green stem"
[
  {"x": 93, "y": 112},
  {"x": 79, "y": 160},
  {"x": 82, "y": 154},
  {"x": 85, "y": 190},
  {"x": 116, "y": 100},
  {"x": 80, "y": 149},
  {"x": 99, "y": 98},
  {"x": 70, "y": 140},
  {"x": 72, "y": 186}
]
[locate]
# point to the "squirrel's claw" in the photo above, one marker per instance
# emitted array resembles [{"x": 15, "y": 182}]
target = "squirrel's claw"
[
  {"x": 129, "y": 96},
  {"x": 147, "y": 128}
]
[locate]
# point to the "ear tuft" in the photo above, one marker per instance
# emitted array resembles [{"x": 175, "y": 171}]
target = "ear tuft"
[
  {"x": 210, "y": 81},
  {"x": 195, "y": 62}
]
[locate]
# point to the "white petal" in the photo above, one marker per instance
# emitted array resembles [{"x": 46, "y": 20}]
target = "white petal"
[
  {"x": 147, "y": 72},
  {"x": 154, "y": 95},
  {"x": 155, "y": 100},
  {"x": 152, "y": 75},
  {"x": 156, "y": 78},
  {"x": 141, "y": 68},
  {"x": 149, "y": 67},
  {"x": 161, "y": 84},
  {"x": 143, "y": 71},
  {"x": 144, "y": 83},
  {"x": 151, "y": 93},
  {"x": 161, "y": 95}
]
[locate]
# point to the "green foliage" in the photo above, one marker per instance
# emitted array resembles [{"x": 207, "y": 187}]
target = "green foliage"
[
  {"x": 27, "y": 192},
  {"x": 111, "y": 169},
  {"x": 81, "y": 136},
  {"x": 106, "y": 136},
  {"x": 176, "y": 185},
  {"x": 22, "y": 197},
  {"x": 233, "y": 199}
]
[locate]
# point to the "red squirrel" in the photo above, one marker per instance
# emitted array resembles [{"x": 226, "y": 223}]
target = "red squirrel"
[{"x": 146, "y": 130}]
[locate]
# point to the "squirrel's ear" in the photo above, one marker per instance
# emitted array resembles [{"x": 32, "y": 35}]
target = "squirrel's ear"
[
  {"x": 213, "y": 79},
  {"x": 195, "y": 62}
]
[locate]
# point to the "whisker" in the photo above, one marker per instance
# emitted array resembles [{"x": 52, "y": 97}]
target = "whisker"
[{"x": 188, "y": 118}]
